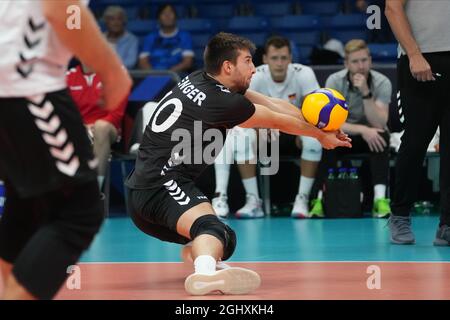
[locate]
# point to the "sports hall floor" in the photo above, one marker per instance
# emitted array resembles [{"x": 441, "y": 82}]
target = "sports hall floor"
[{"x": 297, "y": 259}]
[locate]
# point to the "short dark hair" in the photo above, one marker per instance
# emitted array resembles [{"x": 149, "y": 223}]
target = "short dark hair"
[
  {"x": 224, "y": 47},
  {"x": 162, "y": 7},
  {"x": 277, "y": 42}
]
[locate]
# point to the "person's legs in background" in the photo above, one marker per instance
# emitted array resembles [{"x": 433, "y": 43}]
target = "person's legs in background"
[
  {"x": 310, "y": 158},
  {"x": 443, "y": 232},
  {"x": 246, "y": 158},
  {"x": 222, "y": 174},
  {"x": 420, "y": 104},
  {"x": 379, "y": 169},
  {"x": 105, "y": 134}
]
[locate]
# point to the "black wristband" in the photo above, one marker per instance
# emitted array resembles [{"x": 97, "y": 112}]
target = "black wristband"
[{"x": 368, "y": 96}]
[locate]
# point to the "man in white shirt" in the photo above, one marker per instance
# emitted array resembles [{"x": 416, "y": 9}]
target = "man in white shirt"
[{"x": 277, "y": 78}]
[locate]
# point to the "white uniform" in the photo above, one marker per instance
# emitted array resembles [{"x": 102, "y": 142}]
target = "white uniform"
[
  {"x": 33, "y": 59},
  {"x": 300, "y": 80}
]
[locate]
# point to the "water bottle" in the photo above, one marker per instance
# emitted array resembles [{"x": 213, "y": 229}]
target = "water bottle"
[
  {"x": 423, "y": 207},
  {"x": 353, "y": 173},
  {"x": 2, "y": 197},
  {"x": 354, "y": 176},
  {"x": 330, "y": 174},
  {"x": 342, "y": 173}
]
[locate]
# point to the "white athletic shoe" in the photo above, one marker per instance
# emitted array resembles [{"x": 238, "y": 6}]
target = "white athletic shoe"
[
  {"x": 300, "y": 209},
  {"x": 220, "y": 206},
  {"x": 231, "y": 280},
  {"x": 251, "y": 209}
]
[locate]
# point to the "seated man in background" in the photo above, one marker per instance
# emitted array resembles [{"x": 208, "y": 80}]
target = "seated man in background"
[
  {"x": 104, "y": 127},
  {"x": 124, "y": 43},
  {"x": 281, "y": 79},
  {"x": 368, "y": 94},
  {"x": 167, "y": 48}
]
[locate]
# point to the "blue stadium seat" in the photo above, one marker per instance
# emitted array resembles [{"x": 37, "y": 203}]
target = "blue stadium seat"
[
  {"x": 122, "y": 3},
  {"x": 213, "y": 11},
  {"x": 273, "y": 9},
  {"x": 142, "y": 27},
  {"x": 181, "y": 10},
  {"x": 308, "y": 38},
  {"x": 347, "y": 35},
  {"x": 198, "y": 58},
  {"x": 347, "y": 21},
  {"x": 247, "y": 24},
  {"x": 132, "y": 12},
  {"x": 200, "y": 40},
  {"x": 258, "y": 38},
  {"x": 296, "y": 23},
  {"x": 321, "y": 7},
  {"x": 305, "y": 53},
  {"x": 383, "y": 52},
  {"x": 196, "y": 25}
]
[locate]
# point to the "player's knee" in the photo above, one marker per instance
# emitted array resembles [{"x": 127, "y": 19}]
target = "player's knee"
[
  {"x": 103, "y": 130},
  {"x": 210, "y": 224},
  {"x": 311, "y": 150}
]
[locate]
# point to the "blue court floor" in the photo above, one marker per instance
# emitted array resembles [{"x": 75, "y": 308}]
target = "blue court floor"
[{"x": 280, "y": 239}]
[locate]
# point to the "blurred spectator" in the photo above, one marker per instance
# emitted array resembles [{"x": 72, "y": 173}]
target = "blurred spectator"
[
  {"x": 104, "y": 127},
  {"x": 125, "y": 43},
  {"x": 360, "y": 6},
  {"x": 368, "y": 94},
  {"x": 167, "y": 48}
]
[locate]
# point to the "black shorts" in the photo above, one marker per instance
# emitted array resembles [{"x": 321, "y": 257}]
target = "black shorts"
[
  {"x": 156, "y": 211},
  {"x": 43, "y": 144}
]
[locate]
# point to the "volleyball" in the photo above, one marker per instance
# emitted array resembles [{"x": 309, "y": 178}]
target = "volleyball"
[{"x": 325, "y": 108}]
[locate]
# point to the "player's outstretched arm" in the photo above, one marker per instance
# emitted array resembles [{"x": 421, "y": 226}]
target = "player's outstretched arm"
[
  {"x": 274, "y": 104},
  {"x": 266, "y": 118},
  {"x": 89, "y": 45}
]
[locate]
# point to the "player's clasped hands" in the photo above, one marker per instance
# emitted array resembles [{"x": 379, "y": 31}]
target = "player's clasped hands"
[{"x": 333, "y": 139}]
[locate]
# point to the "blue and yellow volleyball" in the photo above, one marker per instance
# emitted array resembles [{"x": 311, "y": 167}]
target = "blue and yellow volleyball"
[{"x": 325, "y": 108}]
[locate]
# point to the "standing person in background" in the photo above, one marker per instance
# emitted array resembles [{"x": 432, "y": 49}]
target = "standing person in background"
[{"x": 421, "y": 28}]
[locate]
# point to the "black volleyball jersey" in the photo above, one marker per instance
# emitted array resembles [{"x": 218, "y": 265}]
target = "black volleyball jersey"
[{"x": 187, "y": 130}]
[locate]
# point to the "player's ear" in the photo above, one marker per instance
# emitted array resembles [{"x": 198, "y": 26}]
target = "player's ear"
[
  {"x": 227, "y": 66},
  {"x": 264, "y": 58}
]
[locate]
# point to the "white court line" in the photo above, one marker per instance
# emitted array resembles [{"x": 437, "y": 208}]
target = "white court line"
[{"x": 372, "y": 261}]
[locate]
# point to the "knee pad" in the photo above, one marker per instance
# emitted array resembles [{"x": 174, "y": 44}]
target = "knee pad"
[
  {"x": 311, "y": 149},
  {"x": 210, "y": 224}
]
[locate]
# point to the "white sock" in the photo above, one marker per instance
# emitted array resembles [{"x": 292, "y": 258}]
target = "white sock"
[
  {"x": 205, "y": 264},
  {"x": 379, "y": 191},
  {"x": 100, "y": 180},
  {"x": 222, "y": 176},
  {"x": 305, "y": 185},
  {"x": 320, "y": 195},
  {"x": 251, "y": 186}
]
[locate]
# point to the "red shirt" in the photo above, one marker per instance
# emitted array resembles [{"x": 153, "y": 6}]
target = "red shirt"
[{"x": 85, "y": 90}]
